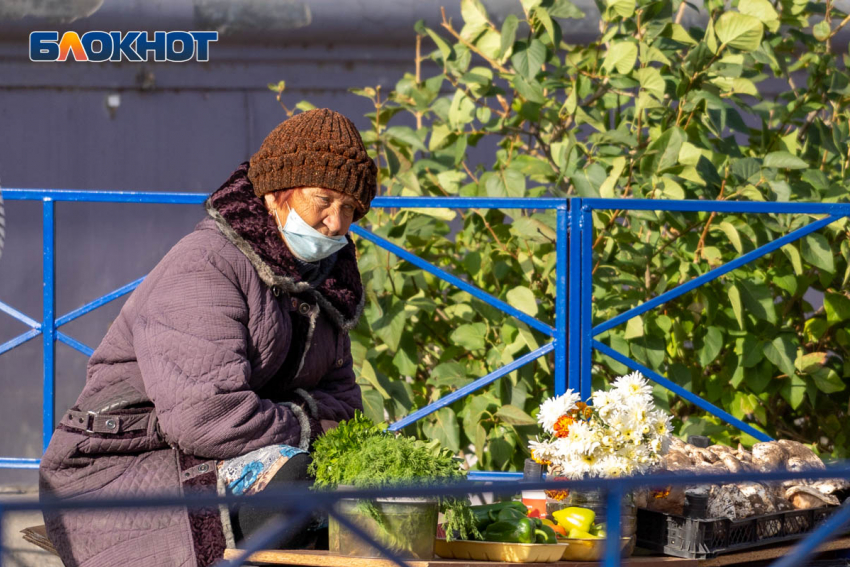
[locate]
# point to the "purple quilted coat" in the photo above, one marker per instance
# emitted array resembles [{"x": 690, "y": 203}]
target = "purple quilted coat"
[{"x": 221, "y": 350}]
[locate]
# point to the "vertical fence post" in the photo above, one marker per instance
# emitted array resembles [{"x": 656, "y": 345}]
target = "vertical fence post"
[
  {"x": 561, "y": 313},
  {"x": 586, "y": 229},
  {"x": 574, "y": 334},
  {"x": 613, "y": 519},
  {"x": 48, "y": 319}
]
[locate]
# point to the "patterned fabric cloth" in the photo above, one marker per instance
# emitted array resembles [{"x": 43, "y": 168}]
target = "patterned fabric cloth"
[{"x": 251, "y": 472}]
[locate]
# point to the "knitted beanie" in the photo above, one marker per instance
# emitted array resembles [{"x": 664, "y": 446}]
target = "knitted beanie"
[{"x": 318, "y": 148}]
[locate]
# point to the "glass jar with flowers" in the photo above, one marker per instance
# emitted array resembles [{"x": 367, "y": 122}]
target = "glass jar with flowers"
[{"x": 619, "y": 433}]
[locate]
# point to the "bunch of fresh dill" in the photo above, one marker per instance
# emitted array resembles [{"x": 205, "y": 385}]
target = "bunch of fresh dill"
[{"x": 362, "y": 454}]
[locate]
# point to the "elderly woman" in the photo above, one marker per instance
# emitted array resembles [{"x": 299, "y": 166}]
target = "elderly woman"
[{"x": 228, "y": 360}]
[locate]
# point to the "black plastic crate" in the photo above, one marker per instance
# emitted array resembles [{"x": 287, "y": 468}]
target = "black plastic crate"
[{"x": 695, "y": 538}]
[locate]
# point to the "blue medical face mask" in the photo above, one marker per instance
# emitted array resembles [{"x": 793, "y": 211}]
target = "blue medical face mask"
[{"x": 307, "y": 243}]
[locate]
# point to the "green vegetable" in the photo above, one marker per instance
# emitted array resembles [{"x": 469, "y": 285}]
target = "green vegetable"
[
  {"x": 545, "y": 534},
  {"x": 511, "y": 531},
  {"x": 365, "y": 455},
  {"x": 482, "y": 513},
  {"x": 510, "y": 513},
  {"x": 598, "y": 530}
]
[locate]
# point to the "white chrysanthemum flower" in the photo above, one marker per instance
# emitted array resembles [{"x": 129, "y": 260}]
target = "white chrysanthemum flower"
[
  {"x": 633, "y": 386},
  {"x": 542, "y": 450},
  {"x": 553, "y": 408},
  {"x": 662, "y": 425},
  {"x": 581, "y": 438},
  {"x": 612, "y": 466}
]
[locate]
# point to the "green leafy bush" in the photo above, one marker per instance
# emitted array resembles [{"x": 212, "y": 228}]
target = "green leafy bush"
[{"x": 652, "y": 110}]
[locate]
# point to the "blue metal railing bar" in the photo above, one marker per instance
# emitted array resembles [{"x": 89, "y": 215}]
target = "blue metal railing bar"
[
  {"x": 561, "y": 317},
  {"x": 48, "y": 320},
  {"x": 759, "y": 207},
  {"x": 681, "y": 392},
  {"x": 714, "y": 274},
  {"x": 74, "y": 343},
  {"x": 454, "y": 280},
  {"x": 26, "y": 320},
  {"x": 613, "y": 517},
  {"x": 19, "y": 463},
  {"x": 574, "y": 283},
  {"x": 586, "y": 261},
  {"x": 19, "y": 340},
  {"x": 469, "y": 388},
  {"x": 80, "y": 311}
]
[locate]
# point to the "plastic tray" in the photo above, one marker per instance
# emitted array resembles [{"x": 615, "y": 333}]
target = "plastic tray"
[
  {"x": 495, "y": 551},
  {"x": 696, "y": 538}
]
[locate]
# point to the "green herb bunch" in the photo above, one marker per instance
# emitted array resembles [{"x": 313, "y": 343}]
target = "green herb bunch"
[{"x": 362, "y": 454}]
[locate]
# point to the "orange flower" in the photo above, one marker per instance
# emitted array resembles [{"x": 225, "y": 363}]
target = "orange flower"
[
  {"x": 539, "y": 461},
  {"x": 562, "y": 426},
  {"x": 661, "y": 492}
]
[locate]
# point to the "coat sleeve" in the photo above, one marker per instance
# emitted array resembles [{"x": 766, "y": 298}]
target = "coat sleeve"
[
  {"x": 337, "y": 395},
  {"x": 191, "y": 341}
]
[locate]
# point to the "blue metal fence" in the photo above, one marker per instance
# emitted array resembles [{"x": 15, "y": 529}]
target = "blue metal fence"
[{"x": 572, "y": 336}]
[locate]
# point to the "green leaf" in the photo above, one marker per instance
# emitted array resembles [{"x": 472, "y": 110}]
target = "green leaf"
[
  {"x": 794, "y": 391},
  {"x": 794, "y": 257},
  {"x": 619, "y": 8},
  {"x": 445, "y": 429},
  {"x": 821, "y": 30},
  {"x": 462, "y": 110},
  {"x": 761, "y": 10},
  {"x": 663, "y": 152},
  {"x": 565, "y": 9},
  {"x": 650, "y": 80},
  {"x": 515, "y": 416},
  {"x": 542, "y": 15},
  {"x": 739, "y": 31},
  {"x": 784, "y": 160},
  {"x": 634, "y": 328},
  {"x": 837, "y": 308},
  {"x": 406, "y": 135},
  {"x": 606, "y": 190},
  {"x": 532, "y": 91},
  {"x": 732, "y": 234},
  {"x": 368, "y": 373},
  {"x": 737, "y": 305},
  {"x": 373, "y": 404},
  {"x": 828, "y": 381},
  {"x": 528, "y": 58},
  {"x": 816, "y": 251},
  {"x": 621, "y": 56},
  {"x": 758, "y": 300},
  {"x": 712, "y": 345},
  {"x": 812, "y": 362},
  {"x": 471, "y": 336},
  {"x": 782, "y": 352},
  {"x": 508, "y": 36},
  {"x": 523, "y": 299},
  {"x": 474, "y": 14},
  {"x": 445, "y": 49}
]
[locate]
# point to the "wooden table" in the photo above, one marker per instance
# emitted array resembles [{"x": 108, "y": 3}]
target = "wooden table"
[
  {"x": 305, "y": 558},
  {"x": 324, "y": 559}
]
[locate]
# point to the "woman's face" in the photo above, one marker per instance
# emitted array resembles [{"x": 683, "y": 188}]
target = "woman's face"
[{"x": 329, "y": 212}]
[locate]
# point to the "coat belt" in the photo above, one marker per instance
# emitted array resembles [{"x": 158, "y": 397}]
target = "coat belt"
[{"x": 92, "y": 422}]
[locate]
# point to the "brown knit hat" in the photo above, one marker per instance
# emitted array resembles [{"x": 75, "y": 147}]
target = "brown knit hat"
[{"x": 318, "y": 148}]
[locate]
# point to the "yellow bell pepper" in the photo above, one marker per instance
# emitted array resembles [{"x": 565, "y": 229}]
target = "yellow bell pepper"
[{"x": 575, "y": 518}]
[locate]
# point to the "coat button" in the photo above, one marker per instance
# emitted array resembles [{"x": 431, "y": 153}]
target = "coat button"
[
  {"x": 203, "y": 468},
  {"x": 110, "y": 424},
  {"x": 304, "y": 308},
  {"x": 275, "y": 290},
  {"x": 294, "y": 303},
  {"x": 339, "y": 362}
]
